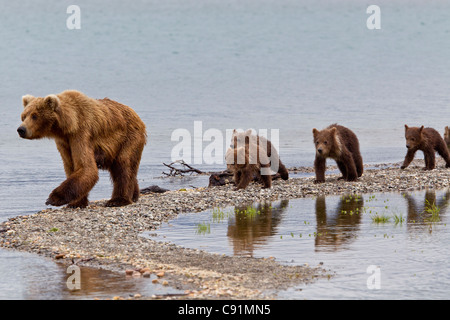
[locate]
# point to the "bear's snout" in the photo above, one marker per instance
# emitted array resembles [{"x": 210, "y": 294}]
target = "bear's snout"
[
  {"x": 320, "y": 150},
  {"x": 22, "y": 131},
  {"x": 407, "y": 146}
]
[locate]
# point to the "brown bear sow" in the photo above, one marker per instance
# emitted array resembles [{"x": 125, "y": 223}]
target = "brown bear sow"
[
  {"x": 447, "y": 137},
  {"x": 89, "y": 134},
  {"x": 241, "y": 139},
  {"x": 427, "y": 140},
  {"x": 342, "y": 145},
  {"x": 245, "y": 163}
]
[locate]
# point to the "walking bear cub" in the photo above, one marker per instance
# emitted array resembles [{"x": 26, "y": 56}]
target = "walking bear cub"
[
  {"x": 342, "y": 145},
  {"x": 427, "y": 140},
  {"x": 89, "y": 134}
]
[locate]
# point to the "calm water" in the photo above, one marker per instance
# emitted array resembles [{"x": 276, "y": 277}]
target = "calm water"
[
  {"x": 341, "y": 233},
  {"x": 27, "y": 276},
  {"x": 290, "y": 65}
]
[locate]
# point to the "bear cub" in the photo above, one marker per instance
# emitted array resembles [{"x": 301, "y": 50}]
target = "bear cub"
[
  {"x": 89, "y": 134},
  {"x": 241, "y": 139},
  {"x": 342, "y": 145},
  {"x": 429, "y": 141},
  {"x": 245, "y": 163}
]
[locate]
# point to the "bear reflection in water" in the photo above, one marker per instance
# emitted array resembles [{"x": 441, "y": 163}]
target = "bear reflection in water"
[{"x": 337, "y": 225}]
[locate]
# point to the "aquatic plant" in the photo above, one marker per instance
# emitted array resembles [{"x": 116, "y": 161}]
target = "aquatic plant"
[
  {"x": 203, "y": 228},
  {"x": 377, "y": 218},
  {"x": 398, "y": 218},
  {"x": 434, "y": 210}
]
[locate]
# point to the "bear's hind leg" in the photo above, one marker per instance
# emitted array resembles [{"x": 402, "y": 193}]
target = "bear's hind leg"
[
  {"x": 343, "y": 170},
  {"x": 430, "y": 160},
  {"x": 120, "y": 176},
  {"x": 266, "y": 180},
  {"x": 350, "y": 167},
  {"x": 444, "y": 153},
  {"x": 358, "y": 163}
]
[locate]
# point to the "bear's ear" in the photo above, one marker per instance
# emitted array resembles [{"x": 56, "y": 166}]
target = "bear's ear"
[
  {"x": 406, "y": 127},
  {"x": 234, "y": 131},
  {"x": 446, "y": 129},
  {"x": 421, "y": 129},
  {"x": 52, "y": 101},
  {"x": 333, "y": 131},
  {"x": 26, "y": 99},
  {"x": 315, "y": 132},
  {"x": 248, "y": 132}
]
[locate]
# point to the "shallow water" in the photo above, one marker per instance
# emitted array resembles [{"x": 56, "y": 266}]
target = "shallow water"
[
  {"x": 341, "y": 233},
  {"x": 289, "y": 65},
  {"x": 30, "y": 277}
]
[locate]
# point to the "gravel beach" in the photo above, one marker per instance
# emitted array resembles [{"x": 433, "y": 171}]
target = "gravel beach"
[{"x": 110, "y": 238}]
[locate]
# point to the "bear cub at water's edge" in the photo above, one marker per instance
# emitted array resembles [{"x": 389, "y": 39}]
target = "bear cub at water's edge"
[
  {"x": 342, "y": 145},
  {"x": 89, "y": 134},
  {"x": 427, "y": 140}
]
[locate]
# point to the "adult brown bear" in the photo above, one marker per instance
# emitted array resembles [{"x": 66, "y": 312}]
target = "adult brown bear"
[{"x": 89, "y": 134}]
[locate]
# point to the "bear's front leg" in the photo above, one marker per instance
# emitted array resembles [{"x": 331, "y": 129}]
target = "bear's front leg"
[
  {"x": 319, "y": 168},
  {"x": 246, "y": 178},
  {"x": 75, "y": 189},
  {"x": 57, "y": 198},
  {"x": 81, "y": 203},
  {"x": 408, "y": 158}
]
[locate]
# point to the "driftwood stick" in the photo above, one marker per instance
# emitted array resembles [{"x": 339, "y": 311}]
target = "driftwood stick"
[{"x": 180, "y": 172}]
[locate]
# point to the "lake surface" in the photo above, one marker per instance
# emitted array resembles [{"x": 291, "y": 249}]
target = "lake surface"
[
  {"x": 340, "y": 233},
  {"x": 290, "y": 65}
]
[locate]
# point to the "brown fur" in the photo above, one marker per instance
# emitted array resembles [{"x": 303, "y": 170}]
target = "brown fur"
[
  {"x": 447, "y": 137},
  {"x": 429, "y": 141},
  {"x": 342, "y": 145},
  {"x": 242, "y": 163},
  {"x": 89, "y": 134},
  {"x": 239, "y": 138}
]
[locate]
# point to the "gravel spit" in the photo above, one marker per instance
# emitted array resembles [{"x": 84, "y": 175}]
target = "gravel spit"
[{"x": 110, "y": 238}]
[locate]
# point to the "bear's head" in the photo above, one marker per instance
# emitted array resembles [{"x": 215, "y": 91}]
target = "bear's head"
[
  {"x": 447, "y": 136},
  {"x": 326, "y": 141},
  {"x": 38, "y": 117},
  {"x": 413, "y": 136},
  {"x": 236, "y": 158},
  {"x": 240, "y": 139}
]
